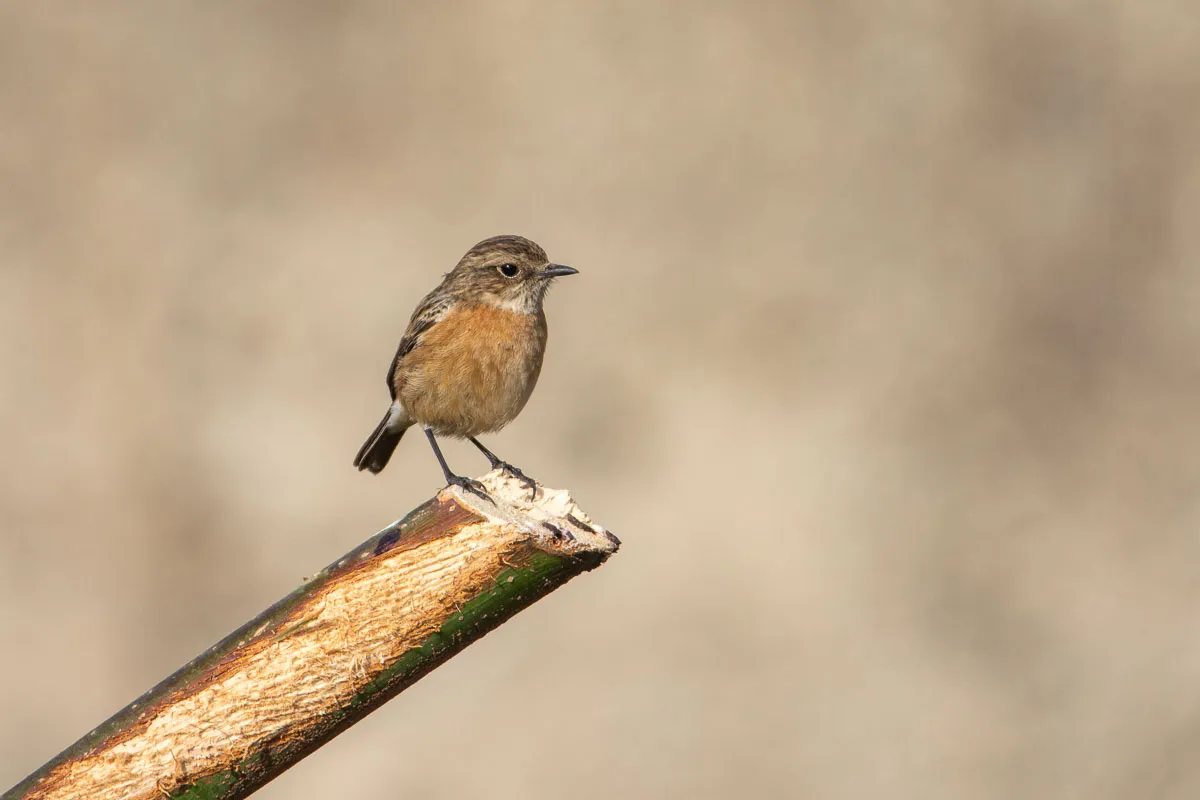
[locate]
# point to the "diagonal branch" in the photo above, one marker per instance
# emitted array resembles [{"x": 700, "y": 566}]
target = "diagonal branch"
[{"x": 361, "y": 631}]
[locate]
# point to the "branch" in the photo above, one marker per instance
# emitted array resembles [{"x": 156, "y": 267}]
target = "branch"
[{"x": 358, "y": 633}]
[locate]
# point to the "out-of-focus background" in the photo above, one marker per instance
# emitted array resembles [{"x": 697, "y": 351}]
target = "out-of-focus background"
[{"x": 883, "y": 361}]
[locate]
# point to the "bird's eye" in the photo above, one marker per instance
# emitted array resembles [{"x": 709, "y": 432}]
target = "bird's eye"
[{"x": 509, "y": 270}]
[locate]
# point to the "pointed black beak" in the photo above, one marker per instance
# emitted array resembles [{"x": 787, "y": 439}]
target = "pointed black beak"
[{"x": 558, "y": 270}]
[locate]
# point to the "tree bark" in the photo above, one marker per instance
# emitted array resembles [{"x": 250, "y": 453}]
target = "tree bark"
[{"x": 359, "y": 632}]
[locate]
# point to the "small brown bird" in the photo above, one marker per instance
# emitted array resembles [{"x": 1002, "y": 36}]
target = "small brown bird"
[{"x": 471, "y": 355}]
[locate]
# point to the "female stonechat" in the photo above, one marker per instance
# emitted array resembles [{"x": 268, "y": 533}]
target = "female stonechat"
[{"x": 471, "y": 355}]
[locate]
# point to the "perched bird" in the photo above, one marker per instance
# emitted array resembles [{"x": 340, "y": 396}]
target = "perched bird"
[{"x": 471, "y": 355}]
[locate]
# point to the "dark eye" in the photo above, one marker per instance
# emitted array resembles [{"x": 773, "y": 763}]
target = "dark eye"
[{"x": 509, "y": 270}]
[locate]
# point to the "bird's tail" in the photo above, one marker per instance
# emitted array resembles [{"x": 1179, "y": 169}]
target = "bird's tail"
[{"x": 380, "y": 445}]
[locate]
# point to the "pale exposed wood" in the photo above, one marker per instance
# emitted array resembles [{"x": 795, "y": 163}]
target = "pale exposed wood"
[{"x": 292, "y": 679}]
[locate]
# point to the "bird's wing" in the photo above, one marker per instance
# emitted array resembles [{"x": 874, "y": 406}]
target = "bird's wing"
[{"x": 431, "y": 310}]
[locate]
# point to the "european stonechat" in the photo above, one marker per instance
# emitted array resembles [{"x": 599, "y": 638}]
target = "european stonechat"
[{"x": 471, "y": 355}]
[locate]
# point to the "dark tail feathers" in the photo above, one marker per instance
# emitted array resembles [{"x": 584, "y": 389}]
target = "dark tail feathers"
[{"x": 379, "y": 446}]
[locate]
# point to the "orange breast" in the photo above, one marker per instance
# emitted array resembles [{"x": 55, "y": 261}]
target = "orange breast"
[{"x": 474, "y": 370}]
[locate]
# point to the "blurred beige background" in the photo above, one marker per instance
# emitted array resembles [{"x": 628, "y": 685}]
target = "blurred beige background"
[{"x": 883, "y": 363}]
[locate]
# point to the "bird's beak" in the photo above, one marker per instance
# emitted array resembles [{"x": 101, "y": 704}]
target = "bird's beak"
[{"x": 558, "y": 270}]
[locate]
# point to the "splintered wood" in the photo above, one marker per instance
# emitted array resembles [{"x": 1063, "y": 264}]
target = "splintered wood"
[{"x": 359, "y": 632}]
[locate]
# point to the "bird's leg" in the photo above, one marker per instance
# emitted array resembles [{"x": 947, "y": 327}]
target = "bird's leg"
[
  {"x": 466, "y": 484},
  {"x": 507, "y": 468}
]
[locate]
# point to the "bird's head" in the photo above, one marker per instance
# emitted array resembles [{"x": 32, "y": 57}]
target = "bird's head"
[{"x": 509, "y": 272}]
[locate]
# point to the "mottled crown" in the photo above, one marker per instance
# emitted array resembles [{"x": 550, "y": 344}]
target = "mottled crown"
[{"x": 501, "y": 249}]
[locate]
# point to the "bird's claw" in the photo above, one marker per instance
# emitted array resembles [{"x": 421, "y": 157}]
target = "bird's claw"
[
  {"x": 470, "y": 485},
  {"x": 513, "y": 472}
]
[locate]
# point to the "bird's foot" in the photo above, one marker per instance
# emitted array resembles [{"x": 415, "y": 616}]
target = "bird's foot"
[
  {"x": 513, "y": 472},
  {"x": 470, "y": 485}
]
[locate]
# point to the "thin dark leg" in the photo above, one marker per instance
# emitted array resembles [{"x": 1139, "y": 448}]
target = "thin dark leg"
[
  {"x": 497, "y": 463},
  {"x": 466, "y": 484}
]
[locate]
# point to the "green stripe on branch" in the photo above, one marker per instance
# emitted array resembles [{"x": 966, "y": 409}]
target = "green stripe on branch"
[{"x": 361, "y": 631}]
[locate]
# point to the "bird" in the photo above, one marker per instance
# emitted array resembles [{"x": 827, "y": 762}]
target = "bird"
[{"x": 471, "y": 355}]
